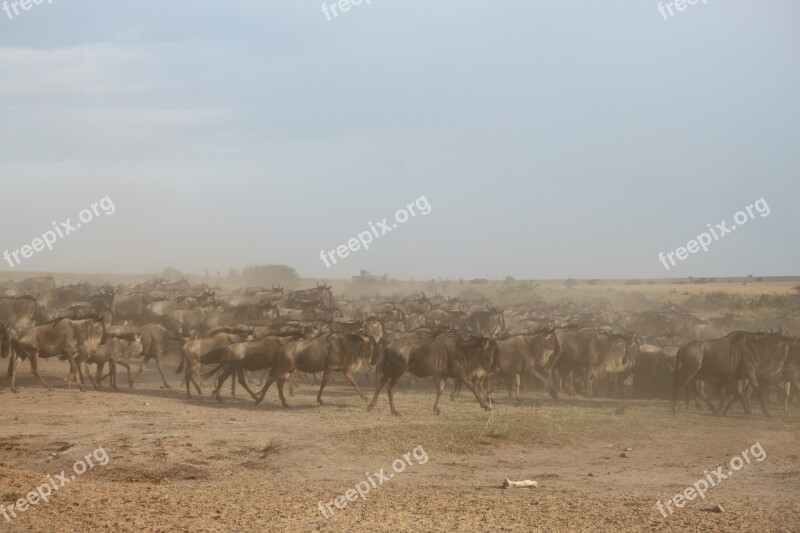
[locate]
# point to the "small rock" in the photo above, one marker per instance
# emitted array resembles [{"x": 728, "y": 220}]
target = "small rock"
[
  {"x": 590, "y": 474},
  {"x": 717, "y": 509},
  {"x": 623, "y": 454}
]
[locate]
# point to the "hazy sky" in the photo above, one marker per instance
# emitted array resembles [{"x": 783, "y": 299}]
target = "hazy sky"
[{"x": 552, "y": 139}]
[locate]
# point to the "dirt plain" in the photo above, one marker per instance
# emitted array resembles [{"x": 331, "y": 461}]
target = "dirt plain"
[{"x": 198, "y": 465}]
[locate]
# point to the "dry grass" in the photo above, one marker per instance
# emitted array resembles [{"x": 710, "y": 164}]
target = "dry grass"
[{"x": 465, "y": 429}]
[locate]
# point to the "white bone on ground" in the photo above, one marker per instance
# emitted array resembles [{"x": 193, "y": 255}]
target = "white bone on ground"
[{"x": 508, "y": 484}]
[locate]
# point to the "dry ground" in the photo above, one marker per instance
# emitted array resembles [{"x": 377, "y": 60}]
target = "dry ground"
[{"x": 196, "y": 465}]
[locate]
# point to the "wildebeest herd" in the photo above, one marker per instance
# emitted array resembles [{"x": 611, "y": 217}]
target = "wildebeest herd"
[{"x": 562, "y": 348}]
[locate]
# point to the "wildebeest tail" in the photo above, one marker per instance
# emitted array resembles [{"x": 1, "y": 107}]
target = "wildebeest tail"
[{"x": 180, "y": 366}]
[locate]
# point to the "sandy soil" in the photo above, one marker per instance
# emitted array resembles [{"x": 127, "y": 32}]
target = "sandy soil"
[{"x": 197, "y": 465}]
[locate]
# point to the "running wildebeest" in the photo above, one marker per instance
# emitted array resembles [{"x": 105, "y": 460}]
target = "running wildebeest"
[
  {"x": 195, "y": 350},
  {"x": 328, "y": 352},
  {"x": 447, "y": 355},
  {"x": 531, "y": 354},
  {"x": 114, "y": 352},
  {"x": 737, "y": 356},
  {"x": 75, "y": 339},
  {"x": 251, "y": 355},
  {"x": 593, "y": 353}
]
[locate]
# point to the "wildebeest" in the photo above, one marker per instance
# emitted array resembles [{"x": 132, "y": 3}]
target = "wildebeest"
[
  {"x": 21, "y": 311},
  {"x": 5, "y": 342},
  {"x": 253, "y": 355},
  {"x": 31, "y": 286},
  {"x": 448, "y": 355},
  {"x": 595, "y": 353},
  {"x": 756, "y": 357},
  {"x": 194, "y": 350},
  {"x": 75, "y": 339},
  {"x": 326, "y": 353},
  {"x": 486, "y": 323},
  {"x": 114, "y": 352},
  {"x": 132, "y": 307},
  {"x": 157, "y": 343},
  {"x": 531, "y": 354}
]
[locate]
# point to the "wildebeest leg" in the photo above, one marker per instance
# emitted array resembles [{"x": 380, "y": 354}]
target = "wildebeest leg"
[
  {"x": 75, "y": 367},
  {"x": 221, "y": 381},
  {"x": 473, "y": 390},
  {"x": 746, "y": 397},
  {"x": 326, "y": 374},
  {"x": 557, "y": 381},
  {"x": 160, "y": 371},
  {"x": 569, "y": 383},
  {"x": 89, "y": 375},
  {"x": 112, "y": 369},
  {"x": 517, "y": 380},
  {"x": 456, "y": 390},
  {"x": 787, "y": 393},
  {"x": 128, "y": 367},
  {"x": 95, "y": 383},
  {"x": 678, "y": 384},
  {"x": 590, "y": 378},
  {"x": 281, "y": 383},
  {"x": 352, "y": 381},
  {"x": 145, "y": 359},
  {"x": 701, "y": 391},
  {"x": 99, "y": 377},
  {"x": 233, "y": 388},
  {"x": 270, "y": 380},
  {"x": 196, "y": 382},
  {"x": 34, "y": 359},
  {"x": 12, "y": 369},
  {"x": 381, "y": 382},
  {"x": 724, "y": 407},
  {"x": 390, "y": 393},
  {"x": 759, "y": 393},
  {"x": 440, "y": 384},
  {"x": 188, "y": 386},
  {"x": 243, "y": 380}
]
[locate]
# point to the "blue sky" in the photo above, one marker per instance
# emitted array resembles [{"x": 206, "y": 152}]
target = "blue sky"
[{"x": 552, "y": 139}]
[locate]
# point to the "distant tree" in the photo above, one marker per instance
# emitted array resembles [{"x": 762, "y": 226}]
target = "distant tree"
[
  {"x": 171, "y": 274},
  {"x": 265, "y": 276},
  {"x": 592, "y": 282},
  {"x": 570, "y": 282}
]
